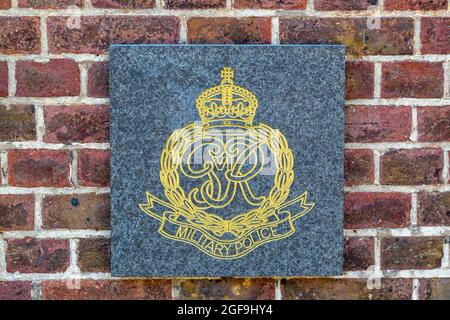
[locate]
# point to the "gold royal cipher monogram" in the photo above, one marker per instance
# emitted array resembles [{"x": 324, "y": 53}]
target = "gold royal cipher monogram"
[{"x": 224, "y": 155}]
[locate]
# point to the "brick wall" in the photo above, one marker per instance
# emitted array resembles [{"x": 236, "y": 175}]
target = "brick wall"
[{"x": 54, "y": 207}]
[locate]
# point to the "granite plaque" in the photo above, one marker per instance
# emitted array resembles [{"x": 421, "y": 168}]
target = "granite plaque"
[{"x": 226, "y": 160}]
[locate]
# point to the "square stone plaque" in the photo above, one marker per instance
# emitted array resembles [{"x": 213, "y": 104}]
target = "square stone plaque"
[{"x": 227, "y": 160}]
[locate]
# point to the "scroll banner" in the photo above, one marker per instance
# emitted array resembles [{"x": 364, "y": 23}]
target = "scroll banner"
[{"x": 278, "y": 226}]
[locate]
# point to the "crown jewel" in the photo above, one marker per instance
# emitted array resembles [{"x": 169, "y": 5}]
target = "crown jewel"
[{"x": 227, "y": 102}]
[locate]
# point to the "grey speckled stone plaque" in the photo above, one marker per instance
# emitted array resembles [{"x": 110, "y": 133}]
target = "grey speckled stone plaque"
[{"x": 227, "y": 160}]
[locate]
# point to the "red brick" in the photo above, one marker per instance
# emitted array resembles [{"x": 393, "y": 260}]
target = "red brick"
[
  {"x": 17, "y": 123},
  {"x": 434, "y": 289},
  {"x": 38, "y": 168},
  {"x": 20, "y": 35},
  {"x": 358, "y": 254},
  {"x": 270, "y": 4},
  {"x": 15, "y": 290},
  {"x": 434, "y": 123},
  {"x": 411, "y": 166},
  {"x": 58, "y": 77},
  {"x": 97, "y": 33},
  {"x": 435, "y": 35},
  {"x": 17, "y": 212},
  {"x": 107, "y": 290},
  {"x": 377, "y": 124},
  {"x": 93, "y": 168},
  {"x": 227, "y": 288},
  {"x": 411, "y": 253},
  {"x": 49, "y": 4},
  {"x": 433, "y": 209},
  {"x": 79, "y": 123},
  {"x": 126, "y": 4},
  {"x": 94, "y": 255},
  {"x": 412, "y": 79},
  {"x": 98, "y": 80},
  {"x": 415, "y": 4},
  {"x": 4, "y": 5},
  {"x": 359, "y": 80},
  {"x": 358, "y": 167},
  {"x": 395, "y": 36},
  {"x": 229, "y": 30},
  {"x": 376, "y": 210},
  {"x": 31, "y": 255},
  {"x": 345, "y": 289},
  {"x": 76, "y": 211},
  {"x": 3, "y": 79},
  {"x": 343, "y": 5},
  {"x": 195, "y": 4}
]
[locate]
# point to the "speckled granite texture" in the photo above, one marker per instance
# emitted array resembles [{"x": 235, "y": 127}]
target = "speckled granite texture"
[{"x": 300, "y": 89}]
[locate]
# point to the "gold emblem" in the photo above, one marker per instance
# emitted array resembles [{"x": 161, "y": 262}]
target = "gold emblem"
[{"x": 220, "y": 159}]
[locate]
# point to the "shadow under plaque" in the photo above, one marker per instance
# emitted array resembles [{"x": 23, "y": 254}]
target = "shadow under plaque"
[{"x": 227, "y": 160}]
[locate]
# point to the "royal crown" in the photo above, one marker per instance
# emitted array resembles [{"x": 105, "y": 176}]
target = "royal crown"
[{"x": 227, "y": 103}]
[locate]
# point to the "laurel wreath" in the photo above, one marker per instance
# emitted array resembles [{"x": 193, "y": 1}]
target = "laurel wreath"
[{"x": 171, "y": 160}]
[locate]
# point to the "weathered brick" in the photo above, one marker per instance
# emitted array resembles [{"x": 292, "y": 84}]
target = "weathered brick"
[
  {"x": 377, "y": 124},
  {"x": 3, "y": 79},
  {"x": 270, "y": 4},
  {"x": 345, "y": 289},
  {"x": 58, "y": 77},
  {"x": 15, "y": 290},
  {"x": 126, "y": 4},
  {"x": 343, "y": 5},
  {"x": 395, "y": 36},
  {"x": 411, "y": 166},
  {"x": 17, "y": 212},
  {"x": 448, "y": 84},
  {"x": 411, "y": 253},
  {"x": 376, "y": 210},
  {"x": 17, "y": 123},
  {"x": 195, "y": 4},
  {"x": 358, "y": 167},
  {"x": 358, "y": 253},
  {"x": 49, "y": 4},
  {"x": 94, "y": 255},
  {"x": 433, "y": 208},
  {"x": 229, "y": 30},
  {"x": 5, "y": 4},
  {"x": 107, "y": 290},
  {"x": 98, "y": 80},
  {"x": 434, "y": 123},
  {"x": 227, "y": 288},
  {"x": 76, "y": 211},
  {"x": 97, "y": 33},
  {"x": 38, "y": 168},
  {"x": 359, "y": 81},
  {"x": 93, "y": 168},
  {"x": 415, "y": 4},
  {"x": 79, "y": 123},
  {"x": 20, "y": 35},
  {"x": 434, "y": 289},
  {"x": 435, "y": 35},
  {"x": 31, "y": 255},
  {"x": 412, "y": 79}
]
